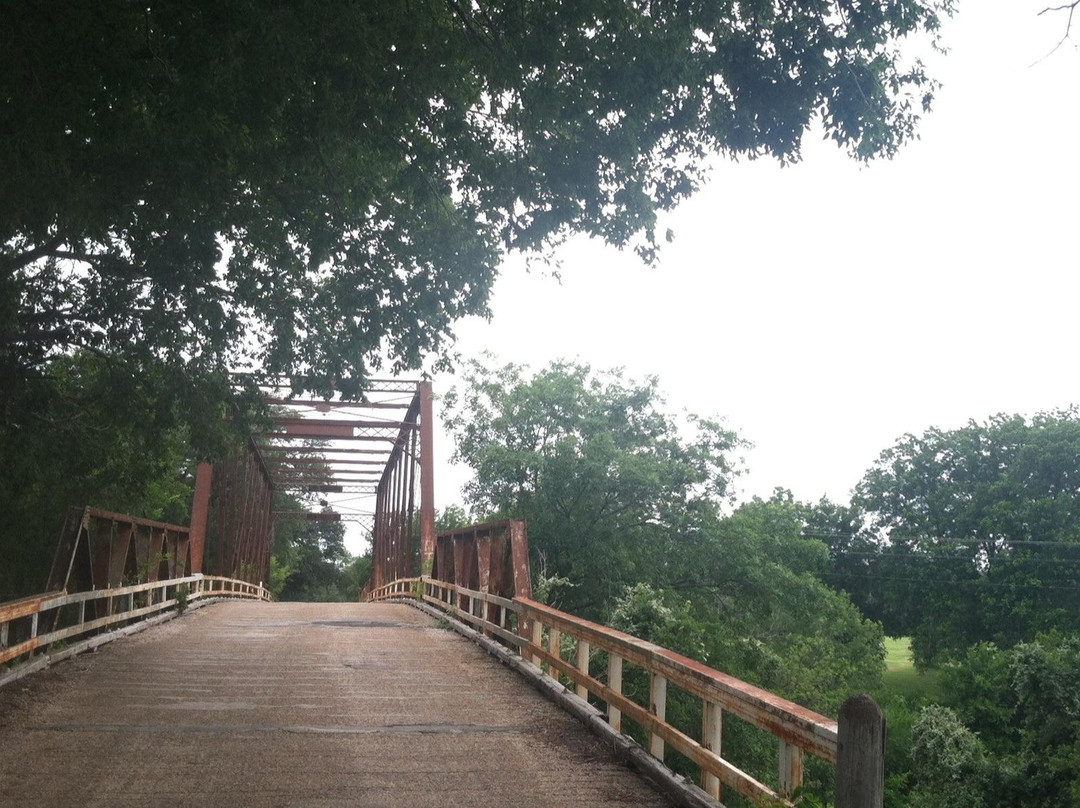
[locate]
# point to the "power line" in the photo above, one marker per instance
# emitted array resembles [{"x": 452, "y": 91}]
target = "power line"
[
  {"x": 943, "y": 540},
  {"x": 968, "y": 581},
  {"x": 932, "y": 557}
]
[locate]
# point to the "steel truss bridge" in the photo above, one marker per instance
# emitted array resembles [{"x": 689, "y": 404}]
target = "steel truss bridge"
[{"x": 244, "y": 700}]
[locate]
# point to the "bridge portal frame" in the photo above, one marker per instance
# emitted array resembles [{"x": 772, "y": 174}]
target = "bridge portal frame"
[{"x": 309, "y": 446}]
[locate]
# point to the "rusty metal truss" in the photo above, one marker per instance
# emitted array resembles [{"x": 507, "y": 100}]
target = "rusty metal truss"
[
  {"x": 100, "y": 550},
  {"x": 309, "y": 448},
  {"x": 377, "y": 448}
]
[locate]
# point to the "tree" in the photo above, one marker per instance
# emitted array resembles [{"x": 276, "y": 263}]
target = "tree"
[
  {"x": 302, "y": 188},
  {"x": 949, "y": 761},
  {"x": 983, "y": 525},
  {"x": 854, "y": 554},
  {"x": 612, "y": 490},
  {"x": 310, "y": 559},
  {"x": 94, "y": 435}
]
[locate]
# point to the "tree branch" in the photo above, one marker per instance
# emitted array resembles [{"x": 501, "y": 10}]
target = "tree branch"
[
  {"x": 1071, "y": 8},
  {"x": 30, "y": 256}
]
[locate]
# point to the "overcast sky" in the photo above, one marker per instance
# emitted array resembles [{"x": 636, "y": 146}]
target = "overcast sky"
[{"x": 827, "y": 308}]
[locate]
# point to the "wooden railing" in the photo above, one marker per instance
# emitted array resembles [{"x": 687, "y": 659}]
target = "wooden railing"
[
  {"x": 525, "y": 624},
  {"x": 32, "y": 624}
]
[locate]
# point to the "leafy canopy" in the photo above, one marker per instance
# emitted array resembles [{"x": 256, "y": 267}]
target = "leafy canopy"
[
  {"x": 605, "y": 477},
  {"x": 307, "y": 187},
  {"x": 983, "y": 528}
]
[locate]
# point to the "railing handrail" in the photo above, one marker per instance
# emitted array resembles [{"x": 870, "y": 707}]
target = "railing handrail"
[
  {"x": 201, "y": 586},
  {"x": 809, "y": 730},
  {"x": 797, "y": 728},
  {"x": 482, "y": 527},
  {"x": 24, "y": 607}
]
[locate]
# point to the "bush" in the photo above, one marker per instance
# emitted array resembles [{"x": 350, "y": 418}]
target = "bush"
[{"x": 949, "y": 765}]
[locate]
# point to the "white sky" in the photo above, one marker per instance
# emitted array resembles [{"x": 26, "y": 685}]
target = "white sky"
[{"x": 825, "y": 309}]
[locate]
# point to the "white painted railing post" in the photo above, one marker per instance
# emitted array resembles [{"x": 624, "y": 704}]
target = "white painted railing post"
[
  {"x": 537, "y": 640},
  {"x": 614, "y": 681},
  {"x": 791, "y": 769},
  {"x": 554, "y": 648},
  {"x": 583, "y": 666},
  {"x": 658, "y": 707},
  {"x": 712, "y": 730}
]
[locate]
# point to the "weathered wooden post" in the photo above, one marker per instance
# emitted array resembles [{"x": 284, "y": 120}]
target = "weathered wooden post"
[{"x": 860, "y": 754}]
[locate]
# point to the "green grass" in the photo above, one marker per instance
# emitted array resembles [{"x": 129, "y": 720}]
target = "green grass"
[
  {"x": 898, "y": 654},
  {"x": 902, "y": 679}
]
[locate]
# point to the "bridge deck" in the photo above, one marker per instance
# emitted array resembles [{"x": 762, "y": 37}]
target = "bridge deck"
[{"x": 313, "y": 705}]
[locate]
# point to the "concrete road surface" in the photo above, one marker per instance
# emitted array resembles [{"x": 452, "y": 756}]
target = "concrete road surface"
[{"x": 295, "y": 705}]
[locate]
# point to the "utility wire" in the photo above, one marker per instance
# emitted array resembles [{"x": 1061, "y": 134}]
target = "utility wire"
[
  {"x": 943, "y": 540},
  {"x": 934, "y": 558},
  {"x": 968, "y": 581}
]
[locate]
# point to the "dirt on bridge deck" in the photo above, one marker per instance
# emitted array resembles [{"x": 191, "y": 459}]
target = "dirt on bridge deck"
[{"x": 296, "y": 705}]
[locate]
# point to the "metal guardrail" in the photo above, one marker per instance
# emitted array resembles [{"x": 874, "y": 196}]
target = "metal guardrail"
[
  {"x": 798, "y": 730},
  {"x": 22, "y": 621}
]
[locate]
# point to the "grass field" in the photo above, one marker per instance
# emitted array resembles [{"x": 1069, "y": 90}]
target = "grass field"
[{"x": 901, "y": 677}]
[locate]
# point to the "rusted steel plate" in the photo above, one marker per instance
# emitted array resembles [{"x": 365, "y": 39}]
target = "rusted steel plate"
[
  {"x": 273, "y": 451},
  {"x": 423, "y": 411},
  {"x": 200, "y": 514},
  {"x": 481, "y": 529},
  {"x": 519, "y": 549},
  {"x": 328, "y": 405},
  {"x": 109, "y": 516},
  {"x": 118, "y": 556},
  {"x": 785, "y": 719}
]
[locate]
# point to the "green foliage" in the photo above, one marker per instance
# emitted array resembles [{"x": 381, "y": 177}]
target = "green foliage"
[
  {"x": 1007, "y": 737},
  {"x": 641, "y": 612},
  {"x": 853, "y": 552},
  {"x": 182, "y": 593},
  {"x": 279, "y": 574},
  {"x": 546, "y": 586},
  {"x": 95, "y": 434},
  {"x": 451, "y": 518},
  {"x": 356, "y": 574},
  {"x": 306, "y": 188},
  {"x": 983, "y": 527},
  {"x": 609, "y": 485},
  {"x": 1046, "y": 682},
  {"x": 340, "y": 179},
  {"x": 980, "y": 691},
  {"x": 903, "y": 679},
  {"x": 309, "y": 559},
  {"x": 949, "y": 764}
]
